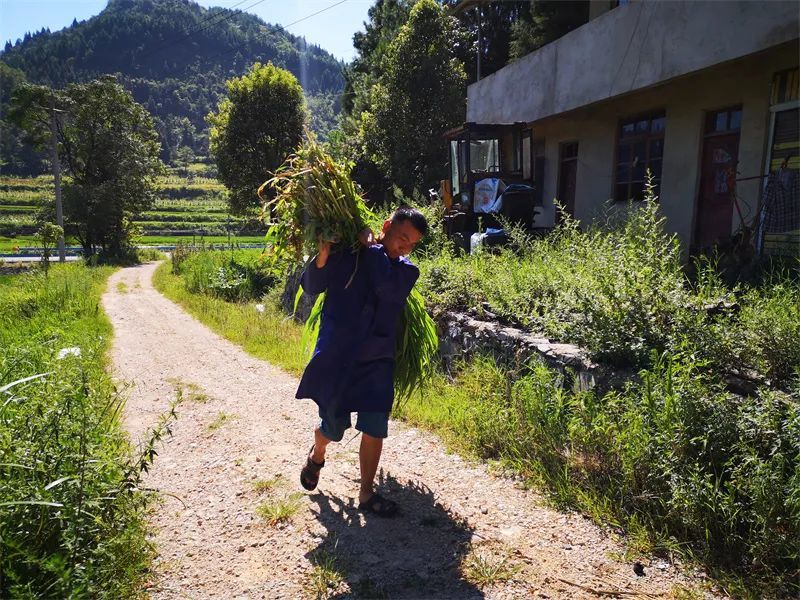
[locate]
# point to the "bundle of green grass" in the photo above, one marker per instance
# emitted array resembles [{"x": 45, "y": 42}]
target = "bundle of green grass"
[{"x": 316, "y": 199}]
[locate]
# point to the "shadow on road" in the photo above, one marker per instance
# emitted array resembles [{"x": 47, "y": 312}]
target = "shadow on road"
[{"x": 416, "y": 554}]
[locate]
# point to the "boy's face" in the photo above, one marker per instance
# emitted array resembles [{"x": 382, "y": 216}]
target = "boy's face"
[{"x": 399, "y": 238}]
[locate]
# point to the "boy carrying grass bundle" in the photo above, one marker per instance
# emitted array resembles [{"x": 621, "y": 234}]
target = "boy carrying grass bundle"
[{"x": 353, "y": 365}]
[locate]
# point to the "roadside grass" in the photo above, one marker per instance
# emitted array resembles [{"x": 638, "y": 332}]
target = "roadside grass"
[
  {"x": 220, "y": 420},
  {"x": 268, "y": 335},
  {"x": 682, "y": 465},
  {"x": 281, "y": 508},
  {"x": 485, "y": 568},
  {"x": 621, "y": 292},
  {"x": 327, "y": 574},
  {"x": 72, "y": 519}
]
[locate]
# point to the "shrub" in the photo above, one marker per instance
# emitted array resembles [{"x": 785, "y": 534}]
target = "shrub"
[
  {"x": 235, "y": 276},
  {"x": 716, "y": 472}
]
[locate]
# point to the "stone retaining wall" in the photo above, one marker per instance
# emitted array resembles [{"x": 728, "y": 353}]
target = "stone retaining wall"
[{"x": 463, "y": 336}]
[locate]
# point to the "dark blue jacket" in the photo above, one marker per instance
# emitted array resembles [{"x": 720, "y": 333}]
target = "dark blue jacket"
[{"x": 352, "y": 368}]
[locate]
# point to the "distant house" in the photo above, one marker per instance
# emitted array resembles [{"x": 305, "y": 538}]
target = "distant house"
[{"x": 704, "y": 94}]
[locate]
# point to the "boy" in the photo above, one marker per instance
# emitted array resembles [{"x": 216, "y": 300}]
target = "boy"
[{"x": 352, "y": 369}]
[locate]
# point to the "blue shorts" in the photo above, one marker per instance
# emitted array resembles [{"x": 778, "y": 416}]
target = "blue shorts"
[{"x": 375, "y": 424}]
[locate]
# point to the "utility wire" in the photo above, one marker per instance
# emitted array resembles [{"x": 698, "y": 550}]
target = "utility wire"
[
  {"x": 200, "y": 28},
  {"x": 284, "y": 27}
]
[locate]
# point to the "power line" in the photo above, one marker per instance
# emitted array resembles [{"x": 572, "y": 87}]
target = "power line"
[
  {"x": 313, "y": 14},
  {"x": 225, "y": 16},
  {"x": 284, "y": 27}
]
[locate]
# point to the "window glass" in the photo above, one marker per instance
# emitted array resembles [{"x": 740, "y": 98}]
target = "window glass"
[
  {"x": 484, "y": 156},
  {"x": 736, "y": 120},
  {"x": 628, "y": 129},
  {"x": 526, "y": 156},
  {"x": 454, "y": 167},
  {"x": 656, "y": 148},
  {"x": 640, "y": 147}
]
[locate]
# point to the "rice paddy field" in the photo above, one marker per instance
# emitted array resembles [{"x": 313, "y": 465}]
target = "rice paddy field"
[{"x": 189, "y": 209}]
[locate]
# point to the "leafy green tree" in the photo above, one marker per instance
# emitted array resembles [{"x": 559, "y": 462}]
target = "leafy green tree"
[
  {"x": 385, "y": 18},
  {"x": 419, "y": 96},
  {"x": 256, "y": 127},
  {"x": 173, "y": 56},
  {"x": 48, "y": 234},
  {"x": 108, "y": 148},
  {"x": 546, "y": 21},
  {"x": 17, "y": 155}
]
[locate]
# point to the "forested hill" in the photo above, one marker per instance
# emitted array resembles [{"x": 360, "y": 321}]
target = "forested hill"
[{"x": 175, "y": 56}]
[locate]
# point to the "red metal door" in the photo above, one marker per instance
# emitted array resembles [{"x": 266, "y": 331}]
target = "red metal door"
[{"x": 717, "y": 182}]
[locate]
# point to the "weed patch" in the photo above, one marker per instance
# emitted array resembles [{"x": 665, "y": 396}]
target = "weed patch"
[
  {"x": 71, "y": 523},
  {"x": 280, "y": 508}
]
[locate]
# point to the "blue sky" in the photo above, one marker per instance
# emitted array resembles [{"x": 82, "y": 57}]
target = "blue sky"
[{"x": 332, "y": 30}]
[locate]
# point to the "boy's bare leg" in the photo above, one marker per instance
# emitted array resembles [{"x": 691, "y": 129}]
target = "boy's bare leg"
[
  {"x": 369, "y": 456},
  {"x": 320, "y": 443}
]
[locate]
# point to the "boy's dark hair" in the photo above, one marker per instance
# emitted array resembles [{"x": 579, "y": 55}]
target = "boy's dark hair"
[{"x": 406, "y": 213}]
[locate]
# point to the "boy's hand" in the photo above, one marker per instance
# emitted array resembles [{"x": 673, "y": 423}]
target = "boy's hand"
[
  {"x": 324, "y": 251},
  {"x": 366, "y": 237}
]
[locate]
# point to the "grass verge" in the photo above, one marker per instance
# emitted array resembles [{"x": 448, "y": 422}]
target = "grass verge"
[
  {"x": 679, "y": 463},
  {"x": 71, "y": 518},
  {"x": 268, "y": 335}
]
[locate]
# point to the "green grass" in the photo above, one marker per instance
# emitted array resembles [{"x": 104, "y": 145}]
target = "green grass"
[
  {"x": 326, "y": 576},
  {"x": 72, "y": 523},
  {"x": 484, "y": 568},
  {"x": 269, "y": 335},
  {"x": 220, "y": 420},
  {"x": 677, "y": 461},
  {"x": 280, "y": 509},
  {"x": 681, "y": 465},
  {"x": 261, "y": 486},
  {"x": 622, "y": 293}
]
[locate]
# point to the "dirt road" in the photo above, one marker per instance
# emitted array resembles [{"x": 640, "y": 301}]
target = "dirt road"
[{"x": 239, "y": 442}]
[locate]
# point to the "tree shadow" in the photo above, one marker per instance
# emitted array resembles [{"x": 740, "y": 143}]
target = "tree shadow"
[{"x": 416, "y": 554}]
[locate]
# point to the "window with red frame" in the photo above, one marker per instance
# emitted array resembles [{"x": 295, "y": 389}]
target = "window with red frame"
[{"x": 640, "y": 146}]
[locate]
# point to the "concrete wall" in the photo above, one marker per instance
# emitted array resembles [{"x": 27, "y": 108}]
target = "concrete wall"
[
  {"x": 745, "y": 82},
  {"x": 630, "y": 48}
]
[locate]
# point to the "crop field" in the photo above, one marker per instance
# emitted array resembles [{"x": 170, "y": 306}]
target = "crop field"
[{"x": 189, "y": 208}]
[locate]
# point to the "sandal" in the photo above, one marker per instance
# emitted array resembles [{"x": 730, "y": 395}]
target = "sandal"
[
  {"x": 378, "y": 505},
  {"x": 309, "y": 476}
]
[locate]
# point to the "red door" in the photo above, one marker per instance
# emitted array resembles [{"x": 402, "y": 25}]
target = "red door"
[{"x": 717, "y": 179}]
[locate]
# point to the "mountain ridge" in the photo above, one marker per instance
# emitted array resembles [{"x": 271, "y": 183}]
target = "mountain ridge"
[{"x": 175, "y": 56}]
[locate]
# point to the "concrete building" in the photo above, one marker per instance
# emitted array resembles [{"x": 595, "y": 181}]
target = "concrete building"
[{"x": 704, "y": 94}]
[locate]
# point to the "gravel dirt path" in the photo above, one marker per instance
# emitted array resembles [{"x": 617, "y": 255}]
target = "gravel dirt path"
[{"x": 239, "y": 425}]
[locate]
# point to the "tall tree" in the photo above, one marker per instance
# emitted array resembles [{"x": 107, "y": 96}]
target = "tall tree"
[
  {"x": 18, "y": 155},
  {"x": 109, "y": 149},
  {"x": 256, "y": 127},
  {"x": 174, "y": 56},
  {"x": 417, "y": 98},
  {"x": 487, "y": 28},
  {"x": 547, "y": 21}
]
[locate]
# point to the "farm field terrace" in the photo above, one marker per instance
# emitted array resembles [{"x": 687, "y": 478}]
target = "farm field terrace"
[{"x": 188, "y": 209}]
